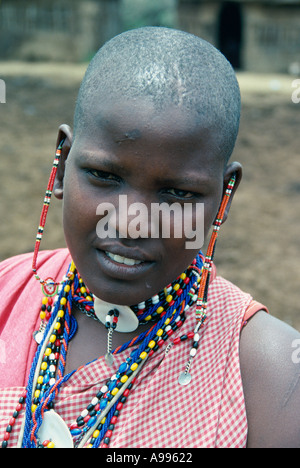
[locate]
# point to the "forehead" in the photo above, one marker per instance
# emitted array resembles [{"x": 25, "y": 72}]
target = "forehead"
[{"x": 119, "y": 120}]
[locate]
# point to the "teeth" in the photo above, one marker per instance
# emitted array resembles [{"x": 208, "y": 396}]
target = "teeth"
[{"x": 123, "y": 260}]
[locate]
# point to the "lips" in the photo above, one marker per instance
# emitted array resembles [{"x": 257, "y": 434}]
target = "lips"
[{"x": 122, "y": 265}]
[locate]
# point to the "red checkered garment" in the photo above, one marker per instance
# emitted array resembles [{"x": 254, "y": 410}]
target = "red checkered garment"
[{"x": 159, "y": 412}]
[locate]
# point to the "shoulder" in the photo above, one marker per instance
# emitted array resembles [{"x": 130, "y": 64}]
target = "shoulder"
[{"x": 270, "y": 367}]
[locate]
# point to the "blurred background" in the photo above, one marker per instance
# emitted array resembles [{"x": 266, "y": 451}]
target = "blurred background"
[{"x": 44, "y": 50}]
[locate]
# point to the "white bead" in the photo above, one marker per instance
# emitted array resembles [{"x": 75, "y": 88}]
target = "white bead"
[
  {"x": 84, "y": 413},
  {"x": 193, "y": 352},
  {"x": 155, "y": 299},
  {"x": 52, "y": 357},
  {"x": 168, "y": 328},
  {"x": 108, "y": 318},
  {"x": 104, "y": 389},
  {"x": 197, "y": 337},
  {"x": 95, "y": 401},
  {"x": 52, "y": 368},
  {"x": 141, "y": 305},
  {"x": 52, "y": 381}
]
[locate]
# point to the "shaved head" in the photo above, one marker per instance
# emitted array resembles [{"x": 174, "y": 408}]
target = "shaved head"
[{"x": 169, "y": 67}]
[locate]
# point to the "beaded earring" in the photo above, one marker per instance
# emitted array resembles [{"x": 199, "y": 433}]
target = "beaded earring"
[
  {"x": 185, "y": 377},
  {"x": 49, "y": 286}
]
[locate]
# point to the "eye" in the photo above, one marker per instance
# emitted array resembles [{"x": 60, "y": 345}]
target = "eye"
[
  {"x": 181, "y": 193},
  {"x": 102, "y": 175}
]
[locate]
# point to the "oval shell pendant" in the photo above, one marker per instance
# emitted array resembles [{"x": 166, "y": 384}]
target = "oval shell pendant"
[
  {"x": 127, "y": 321},
  {"x": 54, "y": 428}
]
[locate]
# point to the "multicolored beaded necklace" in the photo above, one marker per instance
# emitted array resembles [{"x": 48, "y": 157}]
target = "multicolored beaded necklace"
[{"x": 94, "y": 426}]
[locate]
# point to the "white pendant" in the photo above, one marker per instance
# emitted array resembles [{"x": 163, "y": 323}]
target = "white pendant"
[
  {"x": 54, "y": 428},
  {"x": 127, "y": 320}
]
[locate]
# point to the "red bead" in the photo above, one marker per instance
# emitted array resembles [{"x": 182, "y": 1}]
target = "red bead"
[
  {"x": 119, "y": 407},
  {"x": 177, "y": 340},
  {"x": 187, "y": 280},
  {"x": 73, "y": 426},
  {"x": 151, "y": 352},
  {"x": 12, "y": 421},
  {"x": 48, "y": 315},
  {"x": 6, "y": 436},
  {"x": 45, "y": 443},
  {"x": 190, "y": 335},
  {"x": 114, "y": 419},
  {"x": 50, "y": 300},
  {"x": 86, "y": 418},
  {"x": 104, "y": 446},
  {"x": 126, "y": 392},
  {"x": 179, "y": 323},
  {"x": 160, "y": 342},
  {"x": 179, "y": 292},
  {"x": 19, "y": 407},
  {"x": 169, "y": 332},
  {"x": 57, "y": 343},
  {"x": 56, "y": 355},
  {"x": 108, "y": 433},
  {"x": 171, "y": 303}
]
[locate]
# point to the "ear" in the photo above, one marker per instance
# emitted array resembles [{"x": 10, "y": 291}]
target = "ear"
[
  {"x": 65, "y": 134},
  {"x": 231, "y": 169}
]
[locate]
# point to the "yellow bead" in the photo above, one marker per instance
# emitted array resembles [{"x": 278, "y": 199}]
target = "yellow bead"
[
  {"x": 83, "y": 290},
  {"x": 37, "y": 393},
  {"x": 183, "y": 276},
  {"x": 57, "y": 326},
  {"x": 42, "y": 315},
  {"x": 151, "y": 344},
  {"x": 63, "y": 301},
  {"x": 45, "y": 300},
  {"x": 124, "y": 378},
  {"x": 169, "y": 298},
  {"x": 143, "y": 355},
  {"x": 40, "y": 379},
  {"x": 167, "y": 321},
  {"x": 48, "y": 351},
  {"x": 96, "y": 434},
  {"x": 148, "y": 318},
  {"x": 103, "y": 420},
  {"x": 160, "y": 310},
  {"x": 88, "y": 298},
  {"x": 176, "y": 287},
  {"x": 52, "y": 339},
  {"x": 51, "y": 445},
  {"x": 60, "y": 313},
  {"x": 33, "y": 408},
  {"x": 134, "y": 366},
  {"x": 67, "y": 288},
  {"x": 159, "y": 332},
  {"x": 44, "y": 366},
  {"x": 89, "y": 446},
  {"x": 114, "y": 391}
]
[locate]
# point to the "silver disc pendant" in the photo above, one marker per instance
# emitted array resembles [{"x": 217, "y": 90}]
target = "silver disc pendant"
[
  {"x": 184, "y": 378},
  {"x": 54, "y": 429}
]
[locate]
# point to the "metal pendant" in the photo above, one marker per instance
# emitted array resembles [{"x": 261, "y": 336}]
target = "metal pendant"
[{"x": 185, "y": 378}]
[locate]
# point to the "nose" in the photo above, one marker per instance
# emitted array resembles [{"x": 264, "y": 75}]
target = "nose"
[{"x": 132, "y": 219}]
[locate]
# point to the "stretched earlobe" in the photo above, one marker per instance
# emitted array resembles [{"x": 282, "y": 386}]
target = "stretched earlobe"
[
  {"x": 233, "y": 168},
  {"x": 64, "y": 139}
]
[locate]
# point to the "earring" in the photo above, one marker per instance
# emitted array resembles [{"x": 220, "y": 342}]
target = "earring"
[
  {"x": 49, "y": 286},
  {"x": 185, "y": 377}
]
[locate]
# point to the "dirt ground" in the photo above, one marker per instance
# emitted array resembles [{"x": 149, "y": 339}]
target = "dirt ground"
[{"x": 259, "y": 246}]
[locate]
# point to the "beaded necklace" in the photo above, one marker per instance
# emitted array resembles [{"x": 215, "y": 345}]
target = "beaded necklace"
[{"x": 95, "y": 425}]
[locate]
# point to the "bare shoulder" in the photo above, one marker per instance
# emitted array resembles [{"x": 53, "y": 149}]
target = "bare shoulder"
[{"x": 270, "y": 367}]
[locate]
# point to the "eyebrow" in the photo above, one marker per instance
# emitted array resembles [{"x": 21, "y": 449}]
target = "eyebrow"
[{"x": 105, "y": 163}]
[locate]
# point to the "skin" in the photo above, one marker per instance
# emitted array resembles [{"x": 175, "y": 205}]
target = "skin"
[{"x": 129, "y": 148}]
